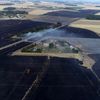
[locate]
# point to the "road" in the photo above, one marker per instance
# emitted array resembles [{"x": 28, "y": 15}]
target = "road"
[
  {"x": 26, "y": 39},
  {"x": 88, "y": 45},
  {"x": 13, "y": 48}
]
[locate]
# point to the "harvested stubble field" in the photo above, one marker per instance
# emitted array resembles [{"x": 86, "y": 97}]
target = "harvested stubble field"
[{"x": 92, "y": 25}]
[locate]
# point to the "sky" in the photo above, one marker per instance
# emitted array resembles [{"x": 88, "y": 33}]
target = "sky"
[{"x": 72, "y": 0}]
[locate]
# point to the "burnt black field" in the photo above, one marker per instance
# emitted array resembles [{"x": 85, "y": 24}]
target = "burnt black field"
[
  {"x": 79, "y": 32},
  {"x": 64, "y": 79},
  {"x": 67, "y": 81},
  {"x": 14, "y": 78},
  {"x": 10, "y": 28},
  {"x": 8, "y": 51},
  {"x": 72, "y": 14},
  {"x": 96, "y": 66},
  {"x": 70, "y": 32}
]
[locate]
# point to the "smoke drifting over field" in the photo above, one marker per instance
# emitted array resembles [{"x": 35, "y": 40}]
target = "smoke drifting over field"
[
  {"x": 63, "y": 32},
  {"x": 48, "y": 33}
]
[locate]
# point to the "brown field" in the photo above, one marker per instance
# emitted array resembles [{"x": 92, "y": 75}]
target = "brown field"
[
  {"x": 90, "y": 6},
  {"x": 93, "y": 25},
  {"x": 39, "y": 12},
  {"x": 51, "y": 19}
]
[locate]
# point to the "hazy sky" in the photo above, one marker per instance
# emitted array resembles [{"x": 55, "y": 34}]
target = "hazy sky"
[{"x": 73, "y": 0}]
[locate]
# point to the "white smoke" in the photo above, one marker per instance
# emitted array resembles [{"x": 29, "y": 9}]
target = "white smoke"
[{"x": 48, "y": 33}]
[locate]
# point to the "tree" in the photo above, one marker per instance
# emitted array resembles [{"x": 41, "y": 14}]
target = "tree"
[
  {"x": 51, "y": 45},
  {"x": 57, "y": 24},
  {"x": 39, "y": 50}
]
